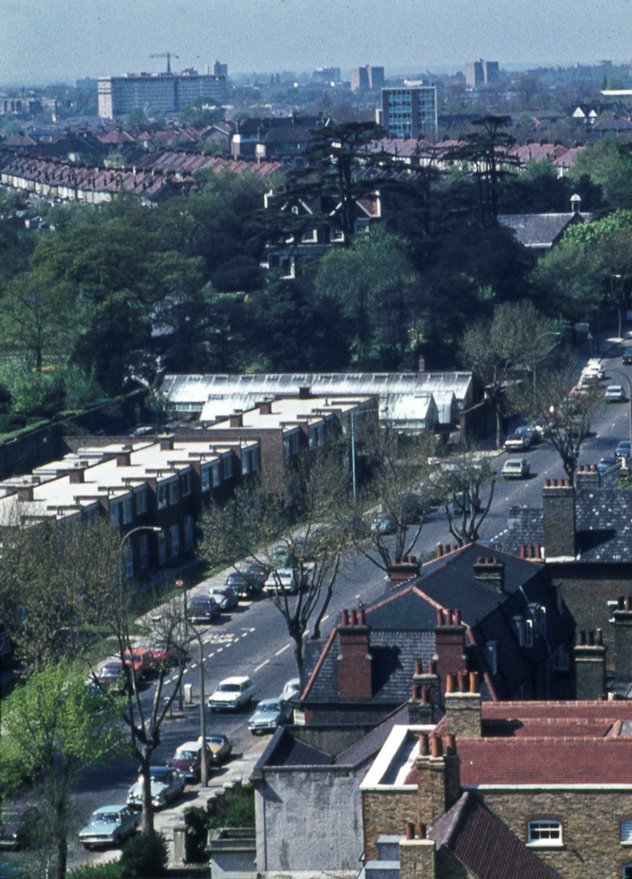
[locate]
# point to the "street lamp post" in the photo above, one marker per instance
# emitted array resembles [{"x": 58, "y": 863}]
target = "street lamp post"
[
  {"x": 203, "y": 749},
  {"x": 154, "y": 528}
]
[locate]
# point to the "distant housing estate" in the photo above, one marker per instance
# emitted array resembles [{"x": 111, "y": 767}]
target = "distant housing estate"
[{"x": 157, "y": 92}]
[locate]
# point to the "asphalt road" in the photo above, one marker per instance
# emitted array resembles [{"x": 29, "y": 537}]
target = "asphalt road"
[{"x": 253, "y": 640}]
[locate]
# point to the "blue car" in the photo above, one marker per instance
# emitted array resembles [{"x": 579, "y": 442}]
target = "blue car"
[{"x": 109, "y": 825}]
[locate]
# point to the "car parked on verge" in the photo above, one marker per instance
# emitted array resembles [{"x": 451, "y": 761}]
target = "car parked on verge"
[
  {"x": 142, "y": 660},
  {"x": 17, "y": 825},
  {"x": 232, "y": 693},
  {"x": 109, "y": 825},
  {"x": 623, "y": 449},
  {"x": 187, "y": 760},
  {"x": 202, "y": 610},
  {"x": 614, "y": 394},
  {"x": 219, "y": 748},
  {"x": 166, "y": 785},
  {"x": 516, "y": 468},
  {"x": 225, "y": 596},
  {"x": 114, "y": 673},
  {"x": 383, "y": 524},
  {"x": 248, "y": 580},
  {"x": 268, "y": 715}
]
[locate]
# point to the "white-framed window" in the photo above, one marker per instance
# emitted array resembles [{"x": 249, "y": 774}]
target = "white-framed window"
[
  {"x": 310, "y": 236},
  {"x": 141, "y": 501},
  {"x": 163, "y": 496},
  {"x": 625, "y": 832},
  {"x": 189, "y": 532},
  {"x": 174, "y": 492},
  {"x": 127, "y": 510},
  {"x": 544, "y": 832},
  {"x": 337, "y": 234},
  {"x": 174, "y": 540},
  {"x": 115, "y": 514},
  {"x": 187, "y": 484},
  {"x": 162, "y": 547},
  {"x": 143, "y": 551}
]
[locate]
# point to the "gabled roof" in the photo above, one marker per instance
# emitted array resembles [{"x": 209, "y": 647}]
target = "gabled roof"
[
  {"x": 484, "y": 844},
  {"x": 539, "y": 231}
]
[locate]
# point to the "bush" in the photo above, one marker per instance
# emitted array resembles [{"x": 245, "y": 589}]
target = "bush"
[
  {"x": 111, "y": 870},
  {"x": 196, "y": 821},
  {"x": 235, "y": 808},
  {"x": 144, "y": 856}
]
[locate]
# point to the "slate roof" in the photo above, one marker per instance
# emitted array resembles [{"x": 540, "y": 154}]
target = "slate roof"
[
  {"x": 402, "y": 627},
  {"x": 484, "y": 844},
  {"x": 538, "y": 231},
  {"x": 603, "y": 522}
]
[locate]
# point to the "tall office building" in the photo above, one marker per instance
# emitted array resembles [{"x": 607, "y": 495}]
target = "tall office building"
[
  {"x": 220, "y": 69},
  {"x": 410, "y": 111},
  {"x": 326, "y": 74},
  {"x": 157, "y": 92},
  {"x": 367, "y": 78},
  {"x": 481, "y": 73}
]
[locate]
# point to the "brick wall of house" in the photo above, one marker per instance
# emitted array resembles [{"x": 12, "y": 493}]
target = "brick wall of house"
[
  {"x": 590, "y": 827},
  {"x": 386, "y": 812}
]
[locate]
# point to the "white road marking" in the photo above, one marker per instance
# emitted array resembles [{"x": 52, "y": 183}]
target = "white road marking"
[
  {"x": 193, "y": 665},
  {"x": 283, "y": 649},
  {"x": 262, "y": 665}
]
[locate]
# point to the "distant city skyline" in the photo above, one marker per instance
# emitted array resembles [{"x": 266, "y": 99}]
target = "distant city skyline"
[{"x": 44, "y": 41}]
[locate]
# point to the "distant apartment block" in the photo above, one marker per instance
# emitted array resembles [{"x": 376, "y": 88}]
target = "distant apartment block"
[
  {"x": 157, "y": 93},
  {"x": 327, "y": 74},
  {"x": 220, "y": 69},
  {"x": 410, "y": 111},
  {"x": 478, "y": 74},
  {"x": 367, "y": 78}
]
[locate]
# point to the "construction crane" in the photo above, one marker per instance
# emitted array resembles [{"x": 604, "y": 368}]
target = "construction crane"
[{"x": 168, "y": 56}]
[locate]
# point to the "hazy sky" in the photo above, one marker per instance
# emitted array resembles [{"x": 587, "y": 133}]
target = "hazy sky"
[{"x": 53, "y": 40}]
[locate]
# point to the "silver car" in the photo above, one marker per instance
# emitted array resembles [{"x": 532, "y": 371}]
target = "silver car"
[
  {"x": 109, "y": 825},
  {"x": 166, "y": 785}
]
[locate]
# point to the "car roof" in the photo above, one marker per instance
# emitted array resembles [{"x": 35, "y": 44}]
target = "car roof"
[
  {"x": 273, "y": 701},
  {"x": 115, "y": 808},
  {"x": 236, "y": 679},
  {"x": 188, "y": 746}
]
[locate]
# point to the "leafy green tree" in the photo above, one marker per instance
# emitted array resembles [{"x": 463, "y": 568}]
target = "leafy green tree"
[
  {"x": 608, "y": 164},
  {"x": 502, "y": 348},
  {"x": 52, "y": 726},
  {"x": 371, "y": 278}
]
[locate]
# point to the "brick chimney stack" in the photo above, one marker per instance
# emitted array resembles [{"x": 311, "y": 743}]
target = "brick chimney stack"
[
  {"x": 236, "y": 420},
  {"x": 463, "y": 705},
  {"x": 587, "y": 476},
  {"x": 590, "y": 665},
  {"x": 438, "y": 776},
  {"x": 166, "y": 442},
  {"x": 558, "y": 508},
  {"x": 354, "y": 659},
  {"x": 417, "y": 854},
  {"x": 425, "y": 693},
  {"x": 622, "y": 622},
  {"x": 490, "y": 570},
  {"x": 449, "y": 643},
  {"x": 402, "y": 570}
]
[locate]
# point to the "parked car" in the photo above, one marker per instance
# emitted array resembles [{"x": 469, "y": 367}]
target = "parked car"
[
  {"x": 17, "y": 825},
  {"x": 268, "y": 715},
  {"x": 202, "y": 609},
  {"x": 114, "y": 673},
  {"x": 166, "y": 785},
  {"x": 462, "y": 503},
  {"x": 285, "y": 580},
  {"x": 248, "y": 581},
  {"x": 187, "y": 760},
  {"x": 231, "y": 694},
  {"x": 225, "y": 596},
  {"x": 292, "y": 688},
  {"x": 256, "y": 572},
  {"x": 383, "y": 524},
  {"x": 219, "y": 748},
  {"x": 280, "y": 555},
  {"x": 517, "y": 468},
  {"x": 627, "y": 358},
  {"x": 166, "y": 655},
  {"x": 521, "y": 439},
  {"x": 142, "y": 660},
  {"x": 623, "y": 449},
  {"x": 614, "y": 394},
  {"x": 109, "y": 825}
]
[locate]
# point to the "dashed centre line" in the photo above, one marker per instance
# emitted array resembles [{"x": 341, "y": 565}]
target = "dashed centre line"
[
  {"x": 265, "y": 662},
  {"x": 283, "y": 649}
]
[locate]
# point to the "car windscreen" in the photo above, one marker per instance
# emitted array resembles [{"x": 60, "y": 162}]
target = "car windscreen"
[{"x": 229, "y": 688}]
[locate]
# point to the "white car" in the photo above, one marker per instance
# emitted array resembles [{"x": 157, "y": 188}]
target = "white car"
[
  {"x": 232, "y": 694},
  {"x": 281, "y": 580},
  {"x": 615, "y": 394},
  {"x": 292, "y": 688},
  {"x": 515, "y": 468}
]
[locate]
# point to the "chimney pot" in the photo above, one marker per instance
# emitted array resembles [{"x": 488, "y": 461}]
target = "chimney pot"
[
  {"x": 353, "y": 617},
  {"x": 436, "y": 746},
  {"x": 410, "y": 830},
  {"x": 473, "y": 682},
  {"x": 423, "y": 744},
  {"x": 422, "y": 830},
  {"x": 345, "y": 617},
  {"x": 450, "y": 743}
]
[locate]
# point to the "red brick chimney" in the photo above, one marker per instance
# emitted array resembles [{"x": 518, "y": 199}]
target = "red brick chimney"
[
  {"x": 354, "y": 659},
  {"x": 403, "y": 570},
  {"x": 438, "y": 776},
  {"x": 449, "y": 643}
]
